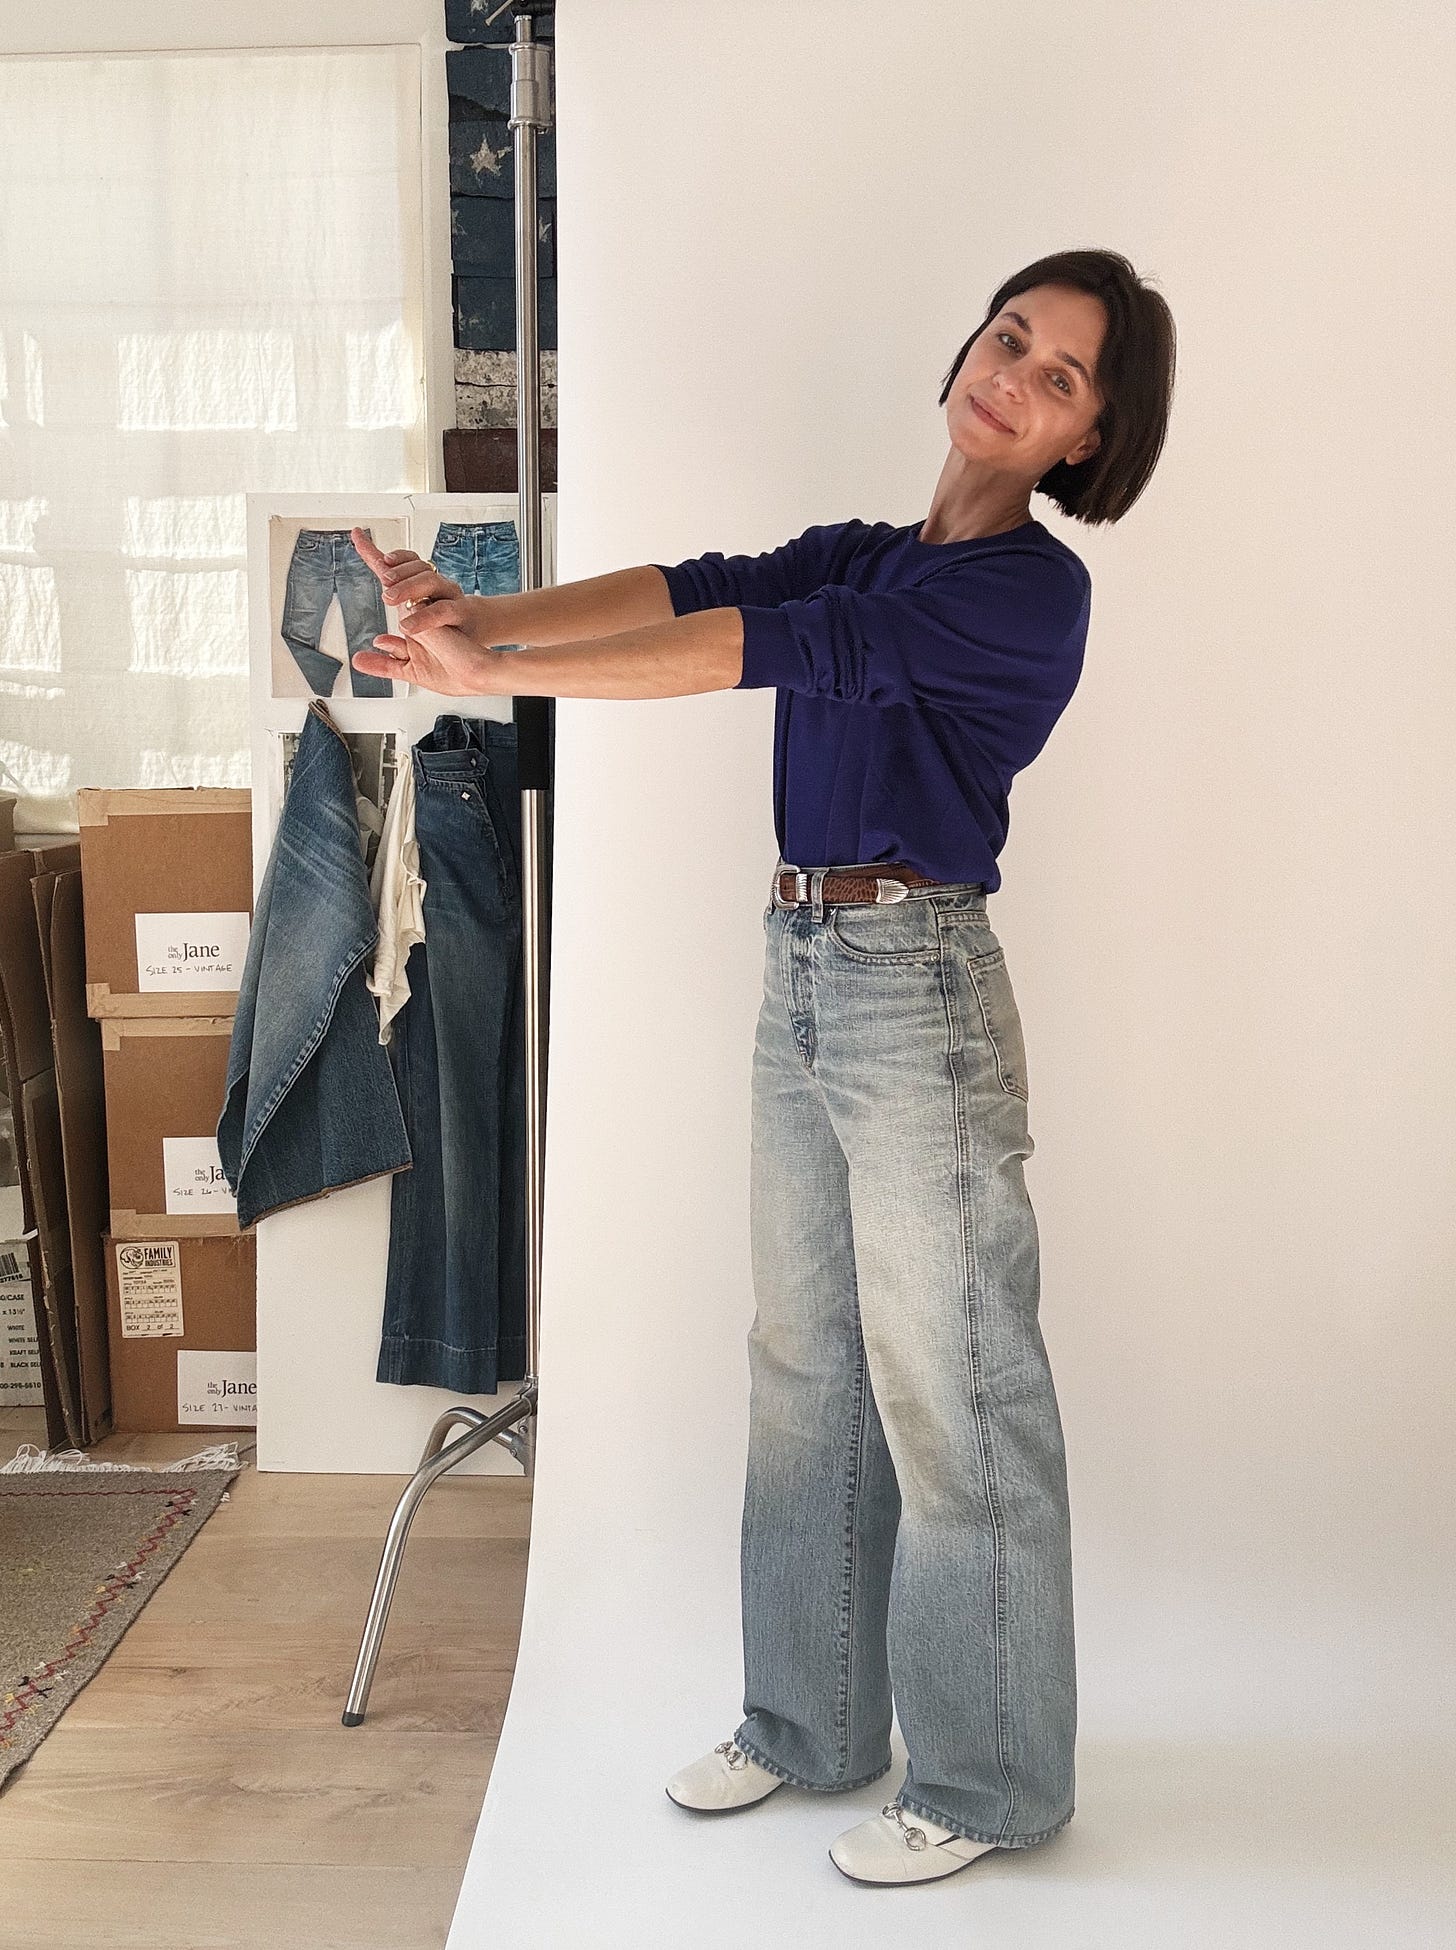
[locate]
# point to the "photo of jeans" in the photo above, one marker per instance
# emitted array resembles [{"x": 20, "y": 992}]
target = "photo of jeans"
[
  {"x": 483, "y": 557},
  {"x": 455, "y": 1291},
  {"x": 325, "y": 564},
  {"x": 905, "y": 1503}
]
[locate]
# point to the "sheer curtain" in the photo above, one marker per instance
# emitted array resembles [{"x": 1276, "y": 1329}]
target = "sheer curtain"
[{"x": 210, "y": 284}]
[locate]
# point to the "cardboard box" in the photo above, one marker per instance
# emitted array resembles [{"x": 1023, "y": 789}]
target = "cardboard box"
[
  {"x": 76, "y": 1047},
  {"x": 20, "y": 1383},
  {"x": 168, "y": 882},
  {"x": 184, "y": 1333},
  {"x": 8, "y": 803},
  {"x": 165, "y": 1079},
  {"x": 70, "y": 1337}
]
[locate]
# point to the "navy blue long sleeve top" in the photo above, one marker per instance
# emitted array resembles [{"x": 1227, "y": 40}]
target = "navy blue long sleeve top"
[{"x": 914, "y": 680}]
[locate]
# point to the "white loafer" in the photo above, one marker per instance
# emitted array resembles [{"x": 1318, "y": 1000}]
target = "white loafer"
[
  {"x": 722, "y": 1780},
  {"x": 891, "y": 1848}
]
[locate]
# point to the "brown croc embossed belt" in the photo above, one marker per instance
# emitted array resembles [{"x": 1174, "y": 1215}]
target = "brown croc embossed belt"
[{"x": 878, "y": 884}]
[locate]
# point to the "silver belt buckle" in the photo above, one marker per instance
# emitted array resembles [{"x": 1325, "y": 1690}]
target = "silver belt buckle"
[{"x": 887, "y": 891}]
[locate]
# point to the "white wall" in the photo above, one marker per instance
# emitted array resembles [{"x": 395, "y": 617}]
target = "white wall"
[{"x": 1227, "y": 907}]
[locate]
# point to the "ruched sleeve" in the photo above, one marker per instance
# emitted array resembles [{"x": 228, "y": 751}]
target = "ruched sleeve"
[
  {"x": 797, "y": 569},
  {"x": 995, "y": 632}
]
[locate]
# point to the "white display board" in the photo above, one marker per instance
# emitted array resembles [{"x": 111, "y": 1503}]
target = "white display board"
[
  {"x": 322, "y": 1266},
  {"x": 1227, "y": 899}
]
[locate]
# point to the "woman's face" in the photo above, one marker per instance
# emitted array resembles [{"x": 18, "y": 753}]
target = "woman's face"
[{"x": 1030, "y": 367}]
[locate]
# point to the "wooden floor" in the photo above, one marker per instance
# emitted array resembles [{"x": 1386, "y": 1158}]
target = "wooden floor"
[{"x": 201, "y": 1792}]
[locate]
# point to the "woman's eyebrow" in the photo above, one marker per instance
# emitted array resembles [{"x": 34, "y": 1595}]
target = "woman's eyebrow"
[{"x": 1059, "y": 355}]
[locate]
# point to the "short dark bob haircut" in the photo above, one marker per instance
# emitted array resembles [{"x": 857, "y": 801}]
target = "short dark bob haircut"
[{"x": 1134, "y": 376}]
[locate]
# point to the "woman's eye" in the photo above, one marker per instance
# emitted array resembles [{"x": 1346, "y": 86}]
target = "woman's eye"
[{"x": 1009, "y": 338}]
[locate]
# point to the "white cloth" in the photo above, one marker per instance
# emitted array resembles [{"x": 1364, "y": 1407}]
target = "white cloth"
[
  {"x": 280, "y": 356},
  {"x": 398, "y": 894}
]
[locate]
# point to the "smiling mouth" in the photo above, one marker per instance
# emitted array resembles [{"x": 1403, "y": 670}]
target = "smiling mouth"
[{"x": 988, "y": 416}]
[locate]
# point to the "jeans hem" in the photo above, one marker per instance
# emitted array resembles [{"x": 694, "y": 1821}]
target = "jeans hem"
[
  {"x": 971, "y": 1835},
  {"x": 797, "y": 1780},
  {"x": 418, "y": 1363}
]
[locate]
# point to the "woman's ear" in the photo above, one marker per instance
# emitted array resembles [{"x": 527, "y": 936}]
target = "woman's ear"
[{"x": 1085, "y": 448}]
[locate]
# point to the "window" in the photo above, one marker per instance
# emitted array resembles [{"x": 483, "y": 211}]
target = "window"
[{"x": 211, "y": 268}]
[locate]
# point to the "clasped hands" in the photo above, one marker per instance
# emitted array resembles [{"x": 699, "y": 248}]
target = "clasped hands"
[{"x": 438, "y": 647}]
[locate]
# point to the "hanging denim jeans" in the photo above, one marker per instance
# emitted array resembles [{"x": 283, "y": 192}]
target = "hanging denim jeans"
[
  {"x": 310, "y": 1103},
  {"x": 455, "y": 1295},
  {"x": 905, "y": 1512},
  {"x": 325, "y": 564},
  {"x": 484, "y": 557}
]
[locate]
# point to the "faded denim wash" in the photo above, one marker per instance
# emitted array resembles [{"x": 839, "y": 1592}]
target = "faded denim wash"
[
  {"x": 905, "y": 1517},
  {"x": 483, "y": 557},
  {"x": 325, "y": 564},
  {"x": 310, "y": 1103},
  {"x": 455, "y": 1294}
]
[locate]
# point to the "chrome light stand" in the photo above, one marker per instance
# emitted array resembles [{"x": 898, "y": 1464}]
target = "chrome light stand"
[{"x": 513, "y": 1426}]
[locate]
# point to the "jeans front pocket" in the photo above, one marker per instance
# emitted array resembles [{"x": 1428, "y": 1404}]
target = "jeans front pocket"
[
  {"x": 886, "y": 933},
  {"x": 1001, "y": 1019}
]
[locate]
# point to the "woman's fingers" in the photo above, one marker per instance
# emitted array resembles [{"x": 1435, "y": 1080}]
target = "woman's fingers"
[
  {"x": 448, "y": 613},
  {"x": 392, "y": 566},
  {"x": 417, "y": 582},
  {"x": 390, "y": 660},
  {"x": 375, "y": 557}
]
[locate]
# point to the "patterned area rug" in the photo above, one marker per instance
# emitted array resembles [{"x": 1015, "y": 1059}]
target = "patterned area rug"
[{"x": 83, "y": 1545}]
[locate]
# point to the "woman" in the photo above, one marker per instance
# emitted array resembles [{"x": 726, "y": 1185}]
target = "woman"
[{"x": 905, "y": 1510}]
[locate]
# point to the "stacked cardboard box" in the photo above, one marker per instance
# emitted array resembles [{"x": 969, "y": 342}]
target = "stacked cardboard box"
[
  {"x": 167, "y": 876},
  {"x": 50, "y": 1055},
  {"x": 20, "y": 1385}
]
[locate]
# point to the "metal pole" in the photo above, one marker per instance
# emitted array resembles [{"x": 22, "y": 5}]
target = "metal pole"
[
  {"x": 530, "y": 113},
  {"x": 513, "y": 1426}
]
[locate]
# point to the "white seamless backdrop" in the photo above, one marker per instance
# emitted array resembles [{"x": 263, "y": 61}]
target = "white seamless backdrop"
[{"x": 1227, "y": 908}]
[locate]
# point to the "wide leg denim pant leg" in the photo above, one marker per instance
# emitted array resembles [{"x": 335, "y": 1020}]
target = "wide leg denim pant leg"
[
  {"x": 905, "y": 1516},
  {"x": 455, "y": 1286}
]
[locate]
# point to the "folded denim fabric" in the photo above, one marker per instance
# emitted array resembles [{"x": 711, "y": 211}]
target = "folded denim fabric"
[{"x": 311, "y": 1103}]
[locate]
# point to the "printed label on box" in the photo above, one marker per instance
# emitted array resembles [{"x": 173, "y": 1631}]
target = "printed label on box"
[
  {"x": 194, "y": 1174},
  {"x": 217, "y": 1387},
  {"x": 20, "y": 1382},
  {"x": 149, "y": 1282},
  {"x": 190, "y": 951}
]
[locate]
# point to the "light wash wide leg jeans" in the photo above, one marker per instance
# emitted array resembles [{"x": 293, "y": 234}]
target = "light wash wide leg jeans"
[{"x": 905, "y": 1516}]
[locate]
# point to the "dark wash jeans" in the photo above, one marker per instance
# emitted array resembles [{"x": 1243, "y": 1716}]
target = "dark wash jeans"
[
  {"x": 310, "y": 1103},
  {"x": 455, "y": 1295},
  {"x": 325, "y": 564}
]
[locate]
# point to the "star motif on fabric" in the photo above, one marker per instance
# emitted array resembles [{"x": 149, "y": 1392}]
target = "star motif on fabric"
[{"x": 487, "y": 161}]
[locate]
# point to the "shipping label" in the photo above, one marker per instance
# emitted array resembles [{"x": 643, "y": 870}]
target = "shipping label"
[
  {"x": 149, "y": 1281},
  {"x": 190, "y": 951},
  {"x": 217, "y": 1386},
  {"x": 194, "y": 1174}
]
